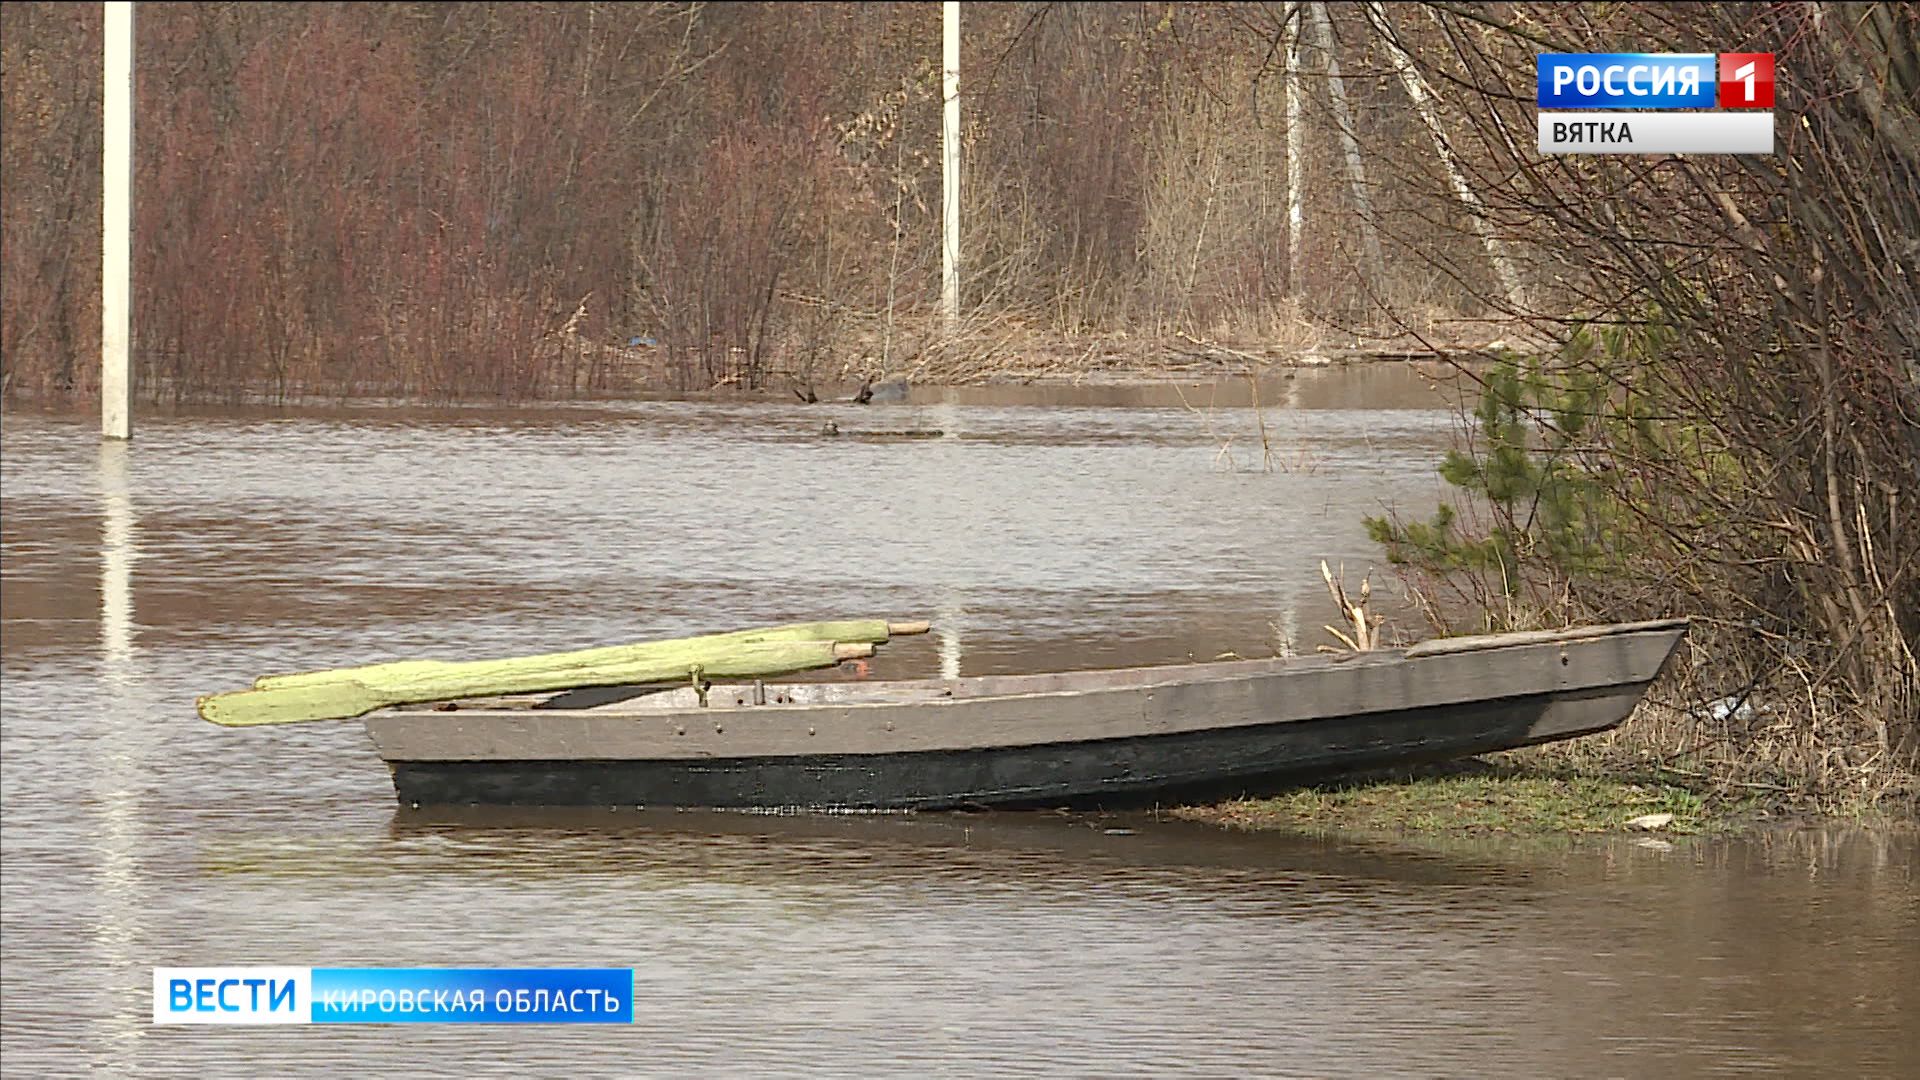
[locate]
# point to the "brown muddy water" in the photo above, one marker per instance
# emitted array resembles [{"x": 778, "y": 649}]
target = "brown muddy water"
[{"x": 222, "y": 545}]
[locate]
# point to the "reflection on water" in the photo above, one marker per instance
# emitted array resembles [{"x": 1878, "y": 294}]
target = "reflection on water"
[
  {"x": 223, "y": 545},
  {"x": 117, "y": 552},
  {"x": 123, "y": 752},
  {"x": 948, "y": 619}
]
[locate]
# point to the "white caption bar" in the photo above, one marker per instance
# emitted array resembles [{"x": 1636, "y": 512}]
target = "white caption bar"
[{"x": 1656, "y": 133}]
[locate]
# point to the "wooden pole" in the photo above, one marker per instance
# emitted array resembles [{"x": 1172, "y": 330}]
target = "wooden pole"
[
  {"x": 348, "y": 698},
  {"x": 680, "y": 652},
  {"x": 116, "y": 235},
  {"x": 950, "y": 169}
]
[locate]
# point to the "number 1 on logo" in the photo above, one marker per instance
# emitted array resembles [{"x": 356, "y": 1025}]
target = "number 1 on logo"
[{"x": 1746, "y": 81}]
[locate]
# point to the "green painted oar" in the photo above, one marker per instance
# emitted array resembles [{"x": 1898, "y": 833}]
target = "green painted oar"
[
  {"x": 342, "y": 699},
  {"x": 684, "y": 652}
]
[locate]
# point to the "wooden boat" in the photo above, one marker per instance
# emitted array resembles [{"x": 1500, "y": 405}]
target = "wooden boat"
[{"x": 1112, "y": 737}]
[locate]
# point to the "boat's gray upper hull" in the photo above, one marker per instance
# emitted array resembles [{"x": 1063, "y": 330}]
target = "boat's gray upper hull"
[{"x": 1074, "y": 736}]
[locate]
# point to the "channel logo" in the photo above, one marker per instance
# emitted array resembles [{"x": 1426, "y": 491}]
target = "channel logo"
[
  {"x": 1626, "y": 81},
  {"x": 1685, "y": 103},
  {"x": 290, "y": 995}
]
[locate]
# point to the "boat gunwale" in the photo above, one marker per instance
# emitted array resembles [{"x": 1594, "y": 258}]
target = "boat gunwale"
[{"x": 874, "y": 695}]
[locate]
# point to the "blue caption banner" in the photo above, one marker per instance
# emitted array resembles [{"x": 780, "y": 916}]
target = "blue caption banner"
[
  {"x": 473, "y": 995},
  {"x": 1626, "y": 80},
  {"x": 286, "y": 995}
]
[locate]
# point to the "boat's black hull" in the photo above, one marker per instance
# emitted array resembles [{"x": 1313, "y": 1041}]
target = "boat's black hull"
[{"x": 1126, "y": 771}]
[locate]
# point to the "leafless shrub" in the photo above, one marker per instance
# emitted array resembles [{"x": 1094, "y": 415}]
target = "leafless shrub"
[{"x": 1768, "y": 435}]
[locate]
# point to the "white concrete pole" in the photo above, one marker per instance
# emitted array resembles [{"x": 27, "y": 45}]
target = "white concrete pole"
[
  {"x": 1423, "y": 103},
  {"x": 1356, "y": 165},
  {"x": 116, "y": 236},
  {"x": 950, "y": 170}
]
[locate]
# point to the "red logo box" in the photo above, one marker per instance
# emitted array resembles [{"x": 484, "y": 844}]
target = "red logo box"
[{"x": 1746, "y": 80}]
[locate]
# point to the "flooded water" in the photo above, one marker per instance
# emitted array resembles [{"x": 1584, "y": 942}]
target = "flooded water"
[{"x": 222, "y": 545}]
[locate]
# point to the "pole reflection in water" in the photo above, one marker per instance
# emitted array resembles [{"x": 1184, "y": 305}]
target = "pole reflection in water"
[
  {"x": 124, "y": 749},
  {"x": 1286, "y": 631},
  {"x": 116, "y": 564},
  {"x": 946, "y": 417},
  {"x": 946, "y": 625}
]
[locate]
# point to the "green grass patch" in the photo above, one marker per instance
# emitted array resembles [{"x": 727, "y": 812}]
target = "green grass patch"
[{"x": 1484, "y": 803}]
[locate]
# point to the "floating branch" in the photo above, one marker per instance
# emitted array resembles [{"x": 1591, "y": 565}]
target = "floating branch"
[{"x": 1365, "y": 627}]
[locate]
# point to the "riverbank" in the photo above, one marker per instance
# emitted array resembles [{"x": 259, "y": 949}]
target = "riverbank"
[
  {"x": 1521, "y": 794},
  {"x": 989, "y": 351},
  {"x": 1210, "y": 394},
  {"x": 933, "y": 363}
]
